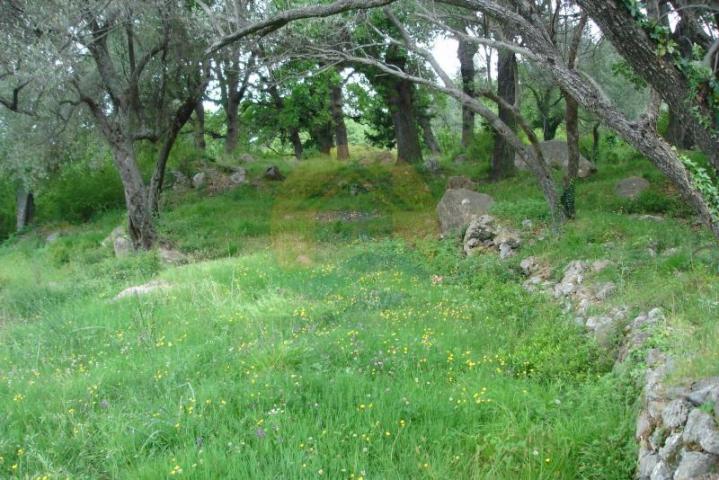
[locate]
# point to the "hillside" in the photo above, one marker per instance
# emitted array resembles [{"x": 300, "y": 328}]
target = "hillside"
[{"x": 321, "y": 328}]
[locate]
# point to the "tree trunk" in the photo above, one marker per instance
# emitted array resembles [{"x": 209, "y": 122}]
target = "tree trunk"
[
  {"x": 139, "y": 214},
  {"x": 549, "y": 128},
  {"x": 338, "y": 119},
  {"x": 596, "y": 139},
  {"x": 200, "y": 125},
  {"x": 405, "y": 124},
  {"x": 25, "y": 208},
  {"x": 296, "y": 143},
  {"x": 639, "y": 50},
  {"x": 503, "y": 154},
  {"x": 233, "y": 130},
  {"x": 466, "y": 53},
  {"x": 429, "y": 139},
  {"x": 322, "y": 138}
]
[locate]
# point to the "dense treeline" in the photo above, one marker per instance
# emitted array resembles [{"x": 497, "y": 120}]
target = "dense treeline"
[{"x": 143, "y": 85}]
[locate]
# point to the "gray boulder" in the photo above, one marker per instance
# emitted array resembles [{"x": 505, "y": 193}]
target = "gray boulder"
[
  {"x": 631, "y": 187},
  {"x": 144, "y": 289},
  {"x": 695, "y": 464},
  {"x": 180, "y": 180},
  {"x": 246, "y": 158},
  {"x": 199, "y": 180},
  {"x": 273, "y": 173},
  {"x": 122, "y": 246},
  {"x": 556, "y": 154},
  {"x": 460, "y": 206},
  {"x": 675, "y": 414},
  {"x": 239, "y": 176},
  {"x": 701, "y": 429},
  {"x": 432, "y": 165}
]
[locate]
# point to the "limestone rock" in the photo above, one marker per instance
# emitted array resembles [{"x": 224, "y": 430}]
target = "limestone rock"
[
  {"x": 631, "y": 187},
  {"x": 661, "y": 471},
  {"x": 556, "y": 154},
  {"x": 273, "y": 173},
  {"x": 675, "y": 414},
  {"x": 694, "y": 464},
  {"x": 199, "y": 180},
  {"x": 432, "y": 165},
  {"x": 702, "y": 430},
  {"x": 144, "y": 289},
  {"x": 459, "y": 207},
  {"x": 122, "y": 246},
  {"x": 239, "y": 176},
  {"x": 170, "y": 256}
]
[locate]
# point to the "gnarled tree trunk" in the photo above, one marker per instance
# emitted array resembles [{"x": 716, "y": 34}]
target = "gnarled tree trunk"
[
  {"x": 25, "y": 208},
  {"x": 504, "y": 152},
  {"x": 466, "y": 52},
  {"x": 338, "y": 119}
]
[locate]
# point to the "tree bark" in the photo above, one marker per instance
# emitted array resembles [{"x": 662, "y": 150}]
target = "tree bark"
[
  {"x": 428, "y": 134},
  {"x": 401, "y": 105},
  {"x": 296, "y": 143},
  {"x": 338, "y": 119},
  {"x": 465, "y": 53},
  {"x": 635, "y": 45},
  {"x": 25, "y": 208},
  {"x": 503, "y": 154},
  {"x": 200, "y": 125},
  {"x": 322, "y": 138}
]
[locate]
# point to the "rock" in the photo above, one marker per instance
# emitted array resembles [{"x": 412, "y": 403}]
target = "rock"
[
  {"x": 572, "y": 279},
  {"x": 647, "y": 462},
  {"x": 694, "y": 464},
  {"x": 655, "y": 315},
  {"x": 170, "y": 256},
  {"x": 460, "y": 182},
  {"x": 246, "y": 158},
  {"x": 505, "y": 251},
  {"x": 671, "y": 447},
  {"x": 116, "y": 232},
  {"x": 460, "y": 206},
  {"x": 556, "y": 154},
  {"x": 480, "y": 232},
  {"x": 645, "y": 426},
  {"x": 273, "y": 173},
  {"x": 605, "y": 291},
  {"x": 432, "y": 165},
  {"x": 122, "y": 246},
  {"x": 507, "y": 237},
  {"x": 144, "y": 289},
  {"x": 631, "y": 187},
  {"x": 180, "y": 180},
  {"x": 651, "y": 218},
  {"x": 199, "y": 180},
  {"x": 529, "y": 265},
  {"x": 675, "y": 414},
  {"x": 702, "y": 430},
  {"x": 670, "y": 251},
  {"x": 461, "y": 158},
  {"x": 239, "y": 176},
  {"x": 53, "y": 237},
  {"x": 600, "y": 265},
  {"x": 706, "y": 390},
  {"x": 527, "y": 224},
  {"x": 661, "y": 471}
]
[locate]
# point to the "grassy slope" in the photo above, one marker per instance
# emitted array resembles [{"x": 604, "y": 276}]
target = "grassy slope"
[{"x": 360, "y": 365}]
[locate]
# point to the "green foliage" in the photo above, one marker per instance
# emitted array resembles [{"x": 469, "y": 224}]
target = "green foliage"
[
  {"x": 704, "y": 183},
  {"x": 79, "y": 191},
  {"x": 7, "y": 209}
]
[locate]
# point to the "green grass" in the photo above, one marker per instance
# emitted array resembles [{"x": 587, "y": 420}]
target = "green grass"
[{"x": 355, "y": 361}]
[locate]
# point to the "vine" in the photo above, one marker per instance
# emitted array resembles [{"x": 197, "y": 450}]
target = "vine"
[
  {"x": 703, "y": 84},
  {"x": 704, "y": 183}
]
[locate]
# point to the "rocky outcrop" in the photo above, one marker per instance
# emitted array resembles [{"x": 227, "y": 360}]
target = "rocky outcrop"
[
  {"x": 631, "y": 187},
  {"x": 459, "y": 207},
  {"x": 484, "y": 233},
  {"x": 144, "y": 289},
  {"x": 556, "y": 154},
  {"x": 273, "y": 173}
]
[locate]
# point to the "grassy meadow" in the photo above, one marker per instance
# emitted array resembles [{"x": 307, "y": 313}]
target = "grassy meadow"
[{"x": 298, "y": 344}]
